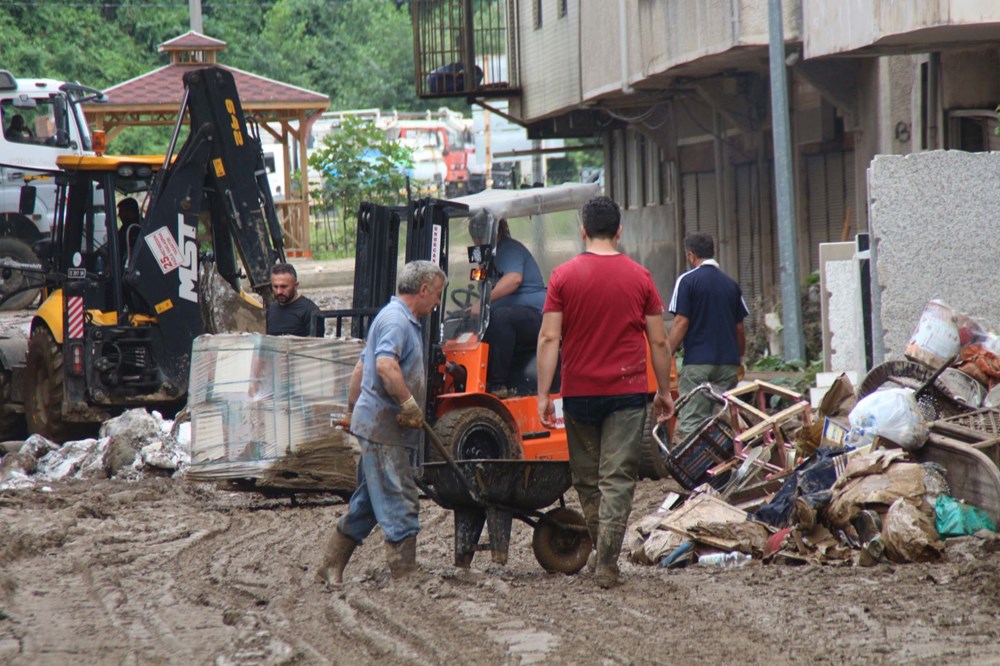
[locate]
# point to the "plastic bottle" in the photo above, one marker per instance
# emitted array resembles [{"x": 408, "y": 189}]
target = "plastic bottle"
[{"x": 724, "y": 560}]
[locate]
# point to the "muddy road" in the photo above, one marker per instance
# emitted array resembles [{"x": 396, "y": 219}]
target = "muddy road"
[{"x": 168, "y": 571}]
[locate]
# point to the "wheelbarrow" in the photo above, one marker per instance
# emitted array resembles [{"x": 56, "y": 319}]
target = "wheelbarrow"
[{"x": 493, "y": 493}]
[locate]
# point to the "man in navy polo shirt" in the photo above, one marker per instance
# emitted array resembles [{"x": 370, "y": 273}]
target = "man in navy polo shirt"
[{"x": 708, "y": 309}]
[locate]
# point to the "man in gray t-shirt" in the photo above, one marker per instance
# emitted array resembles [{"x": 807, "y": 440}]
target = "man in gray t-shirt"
[
  {"x": 516, "y": 302},
  {"x": 387, "y": 390}
]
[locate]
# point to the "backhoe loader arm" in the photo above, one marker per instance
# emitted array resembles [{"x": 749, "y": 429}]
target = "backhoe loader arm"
[{"x": 218, "y": 176}]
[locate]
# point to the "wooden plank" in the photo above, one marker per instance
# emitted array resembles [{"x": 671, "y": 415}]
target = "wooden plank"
[{"x": 772, "y": 422}]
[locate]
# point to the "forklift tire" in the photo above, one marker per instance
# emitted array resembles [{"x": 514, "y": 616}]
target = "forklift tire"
[
  {"x": 558, "y": 549},
  {"x": 43, "y": 399},
  {"x": 21, "y": 252},
  {"x": 477, "y": 433},
  {"x": 651, "y": 459}
]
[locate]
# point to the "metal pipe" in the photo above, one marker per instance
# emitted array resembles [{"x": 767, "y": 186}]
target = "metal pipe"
[
  {"x": 791, "y": 307},
  {"x": 623, "y": 45},
  {"x": 194, "y": 9}
]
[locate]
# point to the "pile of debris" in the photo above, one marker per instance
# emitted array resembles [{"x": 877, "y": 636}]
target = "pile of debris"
[
  {"x": 884, "y": 473},
  {"x": 130, "y": 446}
]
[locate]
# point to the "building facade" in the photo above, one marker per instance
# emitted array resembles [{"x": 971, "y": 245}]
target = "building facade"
[{"x": 679, "y": 92}]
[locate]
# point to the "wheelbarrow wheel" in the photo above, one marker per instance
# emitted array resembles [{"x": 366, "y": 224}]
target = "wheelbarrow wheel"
[
  {"x": 557, "y": 548},
  {"x": 476, "y": 433}
]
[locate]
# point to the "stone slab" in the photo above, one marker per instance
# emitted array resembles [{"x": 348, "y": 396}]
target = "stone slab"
[{"x": 935, "y": 235}]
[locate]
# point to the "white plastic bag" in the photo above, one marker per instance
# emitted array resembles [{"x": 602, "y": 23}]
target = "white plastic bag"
[{"x": 889, "y": 413}]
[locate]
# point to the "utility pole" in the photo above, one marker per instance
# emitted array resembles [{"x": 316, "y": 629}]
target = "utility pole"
[
  {"x": 791, "y": 306},
  {"x": 194, "y": 9}
]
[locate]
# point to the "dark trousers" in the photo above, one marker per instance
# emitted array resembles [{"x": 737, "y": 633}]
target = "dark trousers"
[{"x": 511, "y": 328}]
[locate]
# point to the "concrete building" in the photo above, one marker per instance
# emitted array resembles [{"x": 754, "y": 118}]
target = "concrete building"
[{"x": 679, "y": 92}]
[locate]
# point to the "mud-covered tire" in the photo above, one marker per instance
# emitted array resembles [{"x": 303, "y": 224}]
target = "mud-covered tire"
[
  {"x": 651, "y": 458},
  {"x": 561, "y": 550},
  {"x": 476, "y": 433},
  {"x": 11, "y": 422},
  {"x": 43, "y": 398},
  {"x": 21, "y": 252}
]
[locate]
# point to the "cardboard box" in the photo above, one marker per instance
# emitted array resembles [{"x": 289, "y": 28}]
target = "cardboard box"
[{"x": 834, "y": 433}]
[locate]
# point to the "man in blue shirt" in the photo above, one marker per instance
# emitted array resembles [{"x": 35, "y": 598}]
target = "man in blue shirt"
[
  {"x": 516, "y": 302},
  {"x": 388, "y": 387},
  {"x": 709, "y": 310}
]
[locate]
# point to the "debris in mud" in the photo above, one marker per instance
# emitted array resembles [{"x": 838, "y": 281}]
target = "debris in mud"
[
  {"x": 130, "y": 446},
  {"x": 874, "y": 492}
]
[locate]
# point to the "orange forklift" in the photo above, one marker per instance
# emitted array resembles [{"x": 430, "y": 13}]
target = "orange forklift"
[{"x": 460, "y": 235}]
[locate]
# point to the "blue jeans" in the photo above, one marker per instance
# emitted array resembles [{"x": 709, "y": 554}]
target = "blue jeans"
[{"x": 386, "y": 495}]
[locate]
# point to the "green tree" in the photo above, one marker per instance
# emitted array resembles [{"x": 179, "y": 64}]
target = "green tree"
[{"x": 358, "y": 162}]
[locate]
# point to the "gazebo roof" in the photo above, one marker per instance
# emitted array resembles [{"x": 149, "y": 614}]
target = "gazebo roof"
[
  {"x": 164, "y": 86},
  {"x": 154, "y": 97},
  {"x": 192, "y": 40}
]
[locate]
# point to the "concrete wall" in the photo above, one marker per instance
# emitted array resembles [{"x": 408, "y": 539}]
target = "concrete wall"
[
  {"x": 933, "y": 218},
  {"x": 664, "y": 34},
  {"x": 844, "y": 25},
  {"x": 550, "y": 59}
]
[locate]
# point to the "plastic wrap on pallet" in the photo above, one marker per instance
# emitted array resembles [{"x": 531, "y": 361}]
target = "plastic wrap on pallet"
[{"x": 258, "y": 402}]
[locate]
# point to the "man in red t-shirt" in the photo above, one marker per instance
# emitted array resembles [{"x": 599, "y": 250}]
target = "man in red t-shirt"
[{"x": 603, "y": 307}]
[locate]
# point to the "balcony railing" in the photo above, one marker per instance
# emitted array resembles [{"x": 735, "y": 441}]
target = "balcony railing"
[{"x": 465, "y": 48}]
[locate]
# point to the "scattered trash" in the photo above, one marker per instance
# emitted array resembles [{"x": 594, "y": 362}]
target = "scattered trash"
[
  {"x": 909, "y": 532},
  {"x": 724, "y": 560},
  {"x": 891, "y": 414},
  {"x": 936, "y": 338},
  {"x": 953, "y": 518}
]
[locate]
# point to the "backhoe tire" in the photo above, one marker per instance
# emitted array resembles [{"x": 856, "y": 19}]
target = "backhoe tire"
[
  {"x": 651, "y": 458},
  {"x": 43, "y": 399},
  {"x": 476, "y": 433},
  {"x": 19, "y": 251}
]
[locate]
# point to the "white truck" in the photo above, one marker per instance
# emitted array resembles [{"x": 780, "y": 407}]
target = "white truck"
[{"x": 40, "y": 119}]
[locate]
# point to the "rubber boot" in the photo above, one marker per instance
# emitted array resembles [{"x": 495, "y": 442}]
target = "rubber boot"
[
  {"x": 338, "y": 551},
  {"x": 609, "y": 546},
  {"x": 401, "y": 556}
]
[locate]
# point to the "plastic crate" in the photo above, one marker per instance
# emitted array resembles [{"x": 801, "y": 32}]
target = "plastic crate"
[{"x": 689, "y": 461}]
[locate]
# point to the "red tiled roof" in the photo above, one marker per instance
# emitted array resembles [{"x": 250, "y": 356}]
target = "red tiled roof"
[
  {"x": 192, "y": 40},
  {"x": 165, "y": 86}
]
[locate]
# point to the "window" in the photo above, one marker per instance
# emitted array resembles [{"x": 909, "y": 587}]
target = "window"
[
  {"x": 538, "y": 14},
  {"x": 43, "y": 122},
  {"x": 973, "y": 130},
  {"x": 563, "y": 8}
]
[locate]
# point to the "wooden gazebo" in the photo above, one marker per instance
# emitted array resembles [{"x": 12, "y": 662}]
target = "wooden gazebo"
[{"x": 284, "y": 111}]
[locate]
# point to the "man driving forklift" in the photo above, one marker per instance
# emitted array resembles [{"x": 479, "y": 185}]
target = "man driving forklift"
[{"x": 516, "y": 301}]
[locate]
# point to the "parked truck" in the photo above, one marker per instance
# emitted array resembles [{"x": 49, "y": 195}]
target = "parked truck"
[{"x": 40, "y": 120}]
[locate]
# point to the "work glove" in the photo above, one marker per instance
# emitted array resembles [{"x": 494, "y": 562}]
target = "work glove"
[
  {"x": 411, "y": 416},
  {"x": 343, "y": 421}
]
